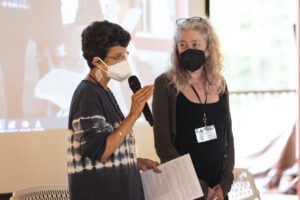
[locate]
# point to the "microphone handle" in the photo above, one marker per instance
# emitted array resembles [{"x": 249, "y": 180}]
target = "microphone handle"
[{"x": 147, "y": 114}]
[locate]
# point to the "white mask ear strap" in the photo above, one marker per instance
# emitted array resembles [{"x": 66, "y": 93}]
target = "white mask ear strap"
[
  {"x": 102, "y": 62},
  {"x": 99, "y": 66}
]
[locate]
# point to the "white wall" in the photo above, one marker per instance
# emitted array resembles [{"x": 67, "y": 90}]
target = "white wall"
[
  {"x": 28, "y": 159},
  {"x": 196, "y": 8}
]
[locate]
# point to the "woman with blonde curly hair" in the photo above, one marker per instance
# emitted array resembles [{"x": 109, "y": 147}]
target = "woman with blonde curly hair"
[{"x": 191, "y": 108}]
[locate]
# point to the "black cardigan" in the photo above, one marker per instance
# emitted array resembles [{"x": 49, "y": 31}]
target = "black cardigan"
[{"x": 164, "y": 127}]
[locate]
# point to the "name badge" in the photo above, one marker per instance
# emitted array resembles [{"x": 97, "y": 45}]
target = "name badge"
[{"x": 205, "y": 134}]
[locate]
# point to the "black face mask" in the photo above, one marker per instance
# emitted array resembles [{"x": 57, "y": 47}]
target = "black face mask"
[{"x": 192, "y": 59}]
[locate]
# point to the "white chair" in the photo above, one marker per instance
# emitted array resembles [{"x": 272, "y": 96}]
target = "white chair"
[
  {"x": 243, "y": 187},
  {"x": 42, "y": 192}
]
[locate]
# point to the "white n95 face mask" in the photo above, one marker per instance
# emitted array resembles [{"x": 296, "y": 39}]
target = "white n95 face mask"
[{"x": 119, "y": 71}]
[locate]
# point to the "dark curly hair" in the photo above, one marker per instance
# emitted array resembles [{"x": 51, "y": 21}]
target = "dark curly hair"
[{"x": 99, "y": 36}]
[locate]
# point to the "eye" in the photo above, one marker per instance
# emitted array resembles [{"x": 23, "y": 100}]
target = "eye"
[
  {"x": 195, "y": 44},
  {"x": 117, "y": 57},
  {"x": 182, "y": 45}
]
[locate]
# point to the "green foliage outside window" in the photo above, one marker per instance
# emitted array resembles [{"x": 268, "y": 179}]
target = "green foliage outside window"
[{"x": 258, "y": 43}]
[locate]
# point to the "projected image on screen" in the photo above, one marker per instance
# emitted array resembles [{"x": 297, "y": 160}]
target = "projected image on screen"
[{"x": 41, "y": 60}]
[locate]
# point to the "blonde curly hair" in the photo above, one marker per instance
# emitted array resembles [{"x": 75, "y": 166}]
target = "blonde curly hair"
[{"x": 213, "y": 64}]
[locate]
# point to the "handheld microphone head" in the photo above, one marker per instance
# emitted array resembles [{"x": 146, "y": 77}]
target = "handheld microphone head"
[{"x": 134, "y": 83}]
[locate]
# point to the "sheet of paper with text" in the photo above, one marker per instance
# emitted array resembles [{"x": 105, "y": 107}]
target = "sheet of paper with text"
[{"x": 178, "y": 181}]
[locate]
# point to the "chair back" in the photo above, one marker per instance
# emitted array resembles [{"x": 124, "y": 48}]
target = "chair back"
[
  {"x": 42, "y": 192},
  {"x": 243, "y": 186}
]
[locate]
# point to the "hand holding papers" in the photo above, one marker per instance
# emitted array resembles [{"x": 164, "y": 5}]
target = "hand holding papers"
[{"x": 178, "y": 181}]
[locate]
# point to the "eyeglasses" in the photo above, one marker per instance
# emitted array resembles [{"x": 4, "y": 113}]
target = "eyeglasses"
[
  {"x": 180, "y": 21},
  {"x": 119, "y": 57}
]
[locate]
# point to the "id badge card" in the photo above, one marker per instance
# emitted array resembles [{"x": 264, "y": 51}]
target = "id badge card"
[{"x": 205, "y": 134}]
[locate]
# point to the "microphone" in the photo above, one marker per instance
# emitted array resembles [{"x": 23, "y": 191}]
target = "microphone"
[{"x": 135, "y": 85}]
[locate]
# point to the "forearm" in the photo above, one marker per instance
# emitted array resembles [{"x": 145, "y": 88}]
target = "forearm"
[
  {"x": 204, "y": 187},
  {"x": 226, "y": 180},
  {"x": 115, "y": 139},
  {"x": 164, "y": 147},
  {"x": 227, "y": 173}
]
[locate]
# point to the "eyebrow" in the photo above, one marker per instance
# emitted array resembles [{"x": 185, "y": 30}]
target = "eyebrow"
[{"x": 190, "y": 41}]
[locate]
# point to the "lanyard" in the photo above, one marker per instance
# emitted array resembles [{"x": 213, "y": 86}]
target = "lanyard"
[{"x": 202, "y": 105}]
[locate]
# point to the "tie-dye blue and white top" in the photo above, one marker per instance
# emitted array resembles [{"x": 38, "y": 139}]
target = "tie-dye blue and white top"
[{"x": 94, "y": 114}]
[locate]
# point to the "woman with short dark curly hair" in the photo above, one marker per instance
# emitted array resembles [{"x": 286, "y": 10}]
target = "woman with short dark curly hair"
[{"x": 102, "y": 162}]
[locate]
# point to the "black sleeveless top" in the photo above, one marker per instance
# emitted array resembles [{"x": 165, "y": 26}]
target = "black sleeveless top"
[{"x": 207, "y": 157}]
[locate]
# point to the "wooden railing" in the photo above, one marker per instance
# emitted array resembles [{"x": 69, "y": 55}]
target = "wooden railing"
[{"x": 261, "y": 91}]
